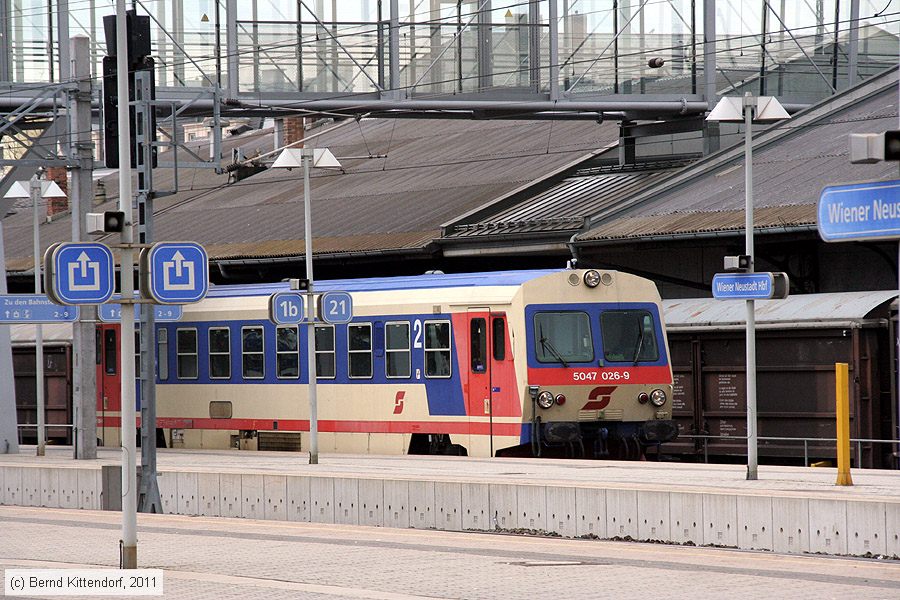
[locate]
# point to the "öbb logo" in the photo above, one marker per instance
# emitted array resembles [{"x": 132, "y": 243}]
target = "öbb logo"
[{"x": 604, "y": 393}]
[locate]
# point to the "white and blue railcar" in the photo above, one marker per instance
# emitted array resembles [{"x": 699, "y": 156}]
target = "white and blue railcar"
[{"x": 565, "y": 362}]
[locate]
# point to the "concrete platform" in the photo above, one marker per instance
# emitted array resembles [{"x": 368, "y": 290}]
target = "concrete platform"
[
  {"x": 787, "y": 510},
  {"x": 206, "y": 558}
]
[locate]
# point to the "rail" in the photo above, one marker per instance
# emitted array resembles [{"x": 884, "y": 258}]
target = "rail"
[{"x": 857, "y": 442}]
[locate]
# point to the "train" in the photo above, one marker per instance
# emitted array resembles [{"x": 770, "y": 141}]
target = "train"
[
  {"x": 799, "y": 340},
  {"x": 570, "y": 362}
]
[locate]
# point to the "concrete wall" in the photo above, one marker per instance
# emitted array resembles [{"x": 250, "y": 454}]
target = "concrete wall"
[{"x": 786, "y": 524}]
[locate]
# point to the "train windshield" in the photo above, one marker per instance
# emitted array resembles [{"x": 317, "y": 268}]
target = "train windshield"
[
  {"x": 563, "y": 337},
  {"x": 628, "y": 336}
]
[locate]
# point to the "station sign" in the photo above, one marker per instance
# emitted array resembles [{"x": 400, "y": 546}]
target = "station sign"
[
  {"x": 112, "y": 312},
  {"x": 336, "y": 307},
  {"x": 34, "y": 308},
  {"x": 79, "y": 273},
  {"x": 174, "y": 273},
  {"x": 860, "y": 211},
  {"x": 750, "y": 286},
  {"x": 287, "y": 308}
]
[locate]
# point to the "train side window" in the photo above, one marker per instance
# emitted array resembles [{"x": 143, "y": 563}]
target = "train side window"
[
  {"x": 628, "y": 336},
  {"x": 498, "y": 325},
  {"x": 325, "y": 351},
  {"x": 437, "y": 349},
  {"x": 186, "y": 349},
  {"x": 219, "y": 353},
  {"x": 287, "y": 352},
  {"x": 396, "y": 349},
  {"x": 478, "y": 331},
  {"x": 359, "y": 350},
  {"x": 98, "y": 347},
  {"x": 109, "y": 351},
  {"x": 162, "y": 353},
  {"x": 252, "y": 352}
]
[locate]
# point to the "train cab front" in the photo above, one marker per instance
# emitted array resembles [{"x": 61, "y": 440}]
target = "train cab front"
[{"x": 599, "y": 378}]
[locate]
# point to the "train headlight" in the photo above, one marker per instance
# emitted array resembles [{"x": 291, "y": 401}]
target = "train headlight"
[
  {"x": 545, "y": 399},
  {"x": 643, "y": 398},
  {"x": 658, "y": 397},
  {"x": 592, "y": 278},
  {"x": 560, "y": 399}
]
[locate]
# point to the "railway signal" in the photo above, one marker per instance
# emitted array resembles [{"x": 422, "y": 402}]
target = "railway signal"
[{"x": 111, "y": 221}]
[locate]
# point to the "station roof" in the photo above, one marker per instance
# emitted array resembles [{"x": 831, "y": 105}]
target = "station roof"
[
  {"x": 565, "y": 206},
  {"x": 793, "y": 160},
  {"x": 422, "y": 174},
  {"x": 808, "y": 311}
]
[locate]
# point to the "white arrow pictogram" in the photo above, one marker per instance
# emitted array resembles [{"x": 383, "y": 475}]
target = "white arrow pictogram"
[
  {"x": 92, "y": 284},
  {"x": 180, "y": 266}
]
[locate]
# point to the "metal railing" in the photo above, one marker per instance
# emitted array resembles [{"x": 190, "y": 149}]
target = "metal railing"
[
  {"x": 816, "y": 442},
  {"x": 22, "y": 426}
]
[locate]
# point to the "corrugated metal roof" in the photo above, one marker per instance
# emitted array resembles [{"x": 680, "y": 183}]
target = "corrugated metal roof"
[
  {"x": 563, "y": 207},
  {"x": 434, "y": 171},
  {"x": 807, "y": 310},
  {"x": 699, "y": 223},
  {"x": 321, "y": 245},
  {"x": 792, "y": 162}
]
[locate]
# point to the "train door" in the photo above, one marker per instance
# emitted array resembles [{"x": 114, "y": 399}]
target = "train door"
[
  {"x": 109, "y": 382},
  {"x": 483, "y": 367}
]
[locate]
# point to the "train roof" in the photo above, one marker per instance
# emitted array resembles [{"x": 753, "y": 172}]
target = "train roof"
[
  {"x": 384, "y": 284},
  {"x": 807, "y": 311}
]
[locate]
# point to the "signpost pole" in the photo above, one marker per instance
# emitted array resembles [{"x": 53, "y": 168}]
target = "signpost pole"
[
  {"x": 148, "y": 495},
  {"x": 762, "y": 109},
  {"x": 751, "y": 313},
  {"x": 128, "y": 550},
  {"x": 310, "y": 315},
  {"x": 35, "y": 190},
  {"x": 9, "y": 431},
  {"x": 307, "y": 159},
  {"x": 81, "y": 193}
]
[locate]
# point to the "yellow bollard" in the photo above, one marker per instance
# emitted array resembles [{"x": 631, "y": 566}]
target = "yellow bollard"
[{"x": 842, "y": 395}]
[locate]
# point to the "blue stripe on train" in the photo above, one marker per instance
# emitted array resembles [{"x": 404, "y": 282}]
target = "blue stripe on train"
[{"x": 445, "y": 395}]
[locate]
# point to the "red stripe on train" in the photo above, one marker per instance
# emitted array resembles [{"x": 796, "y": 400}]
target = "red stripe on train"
[
  {"x": 458, "y": 427},
  {"x": 601, "y": 375}
]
